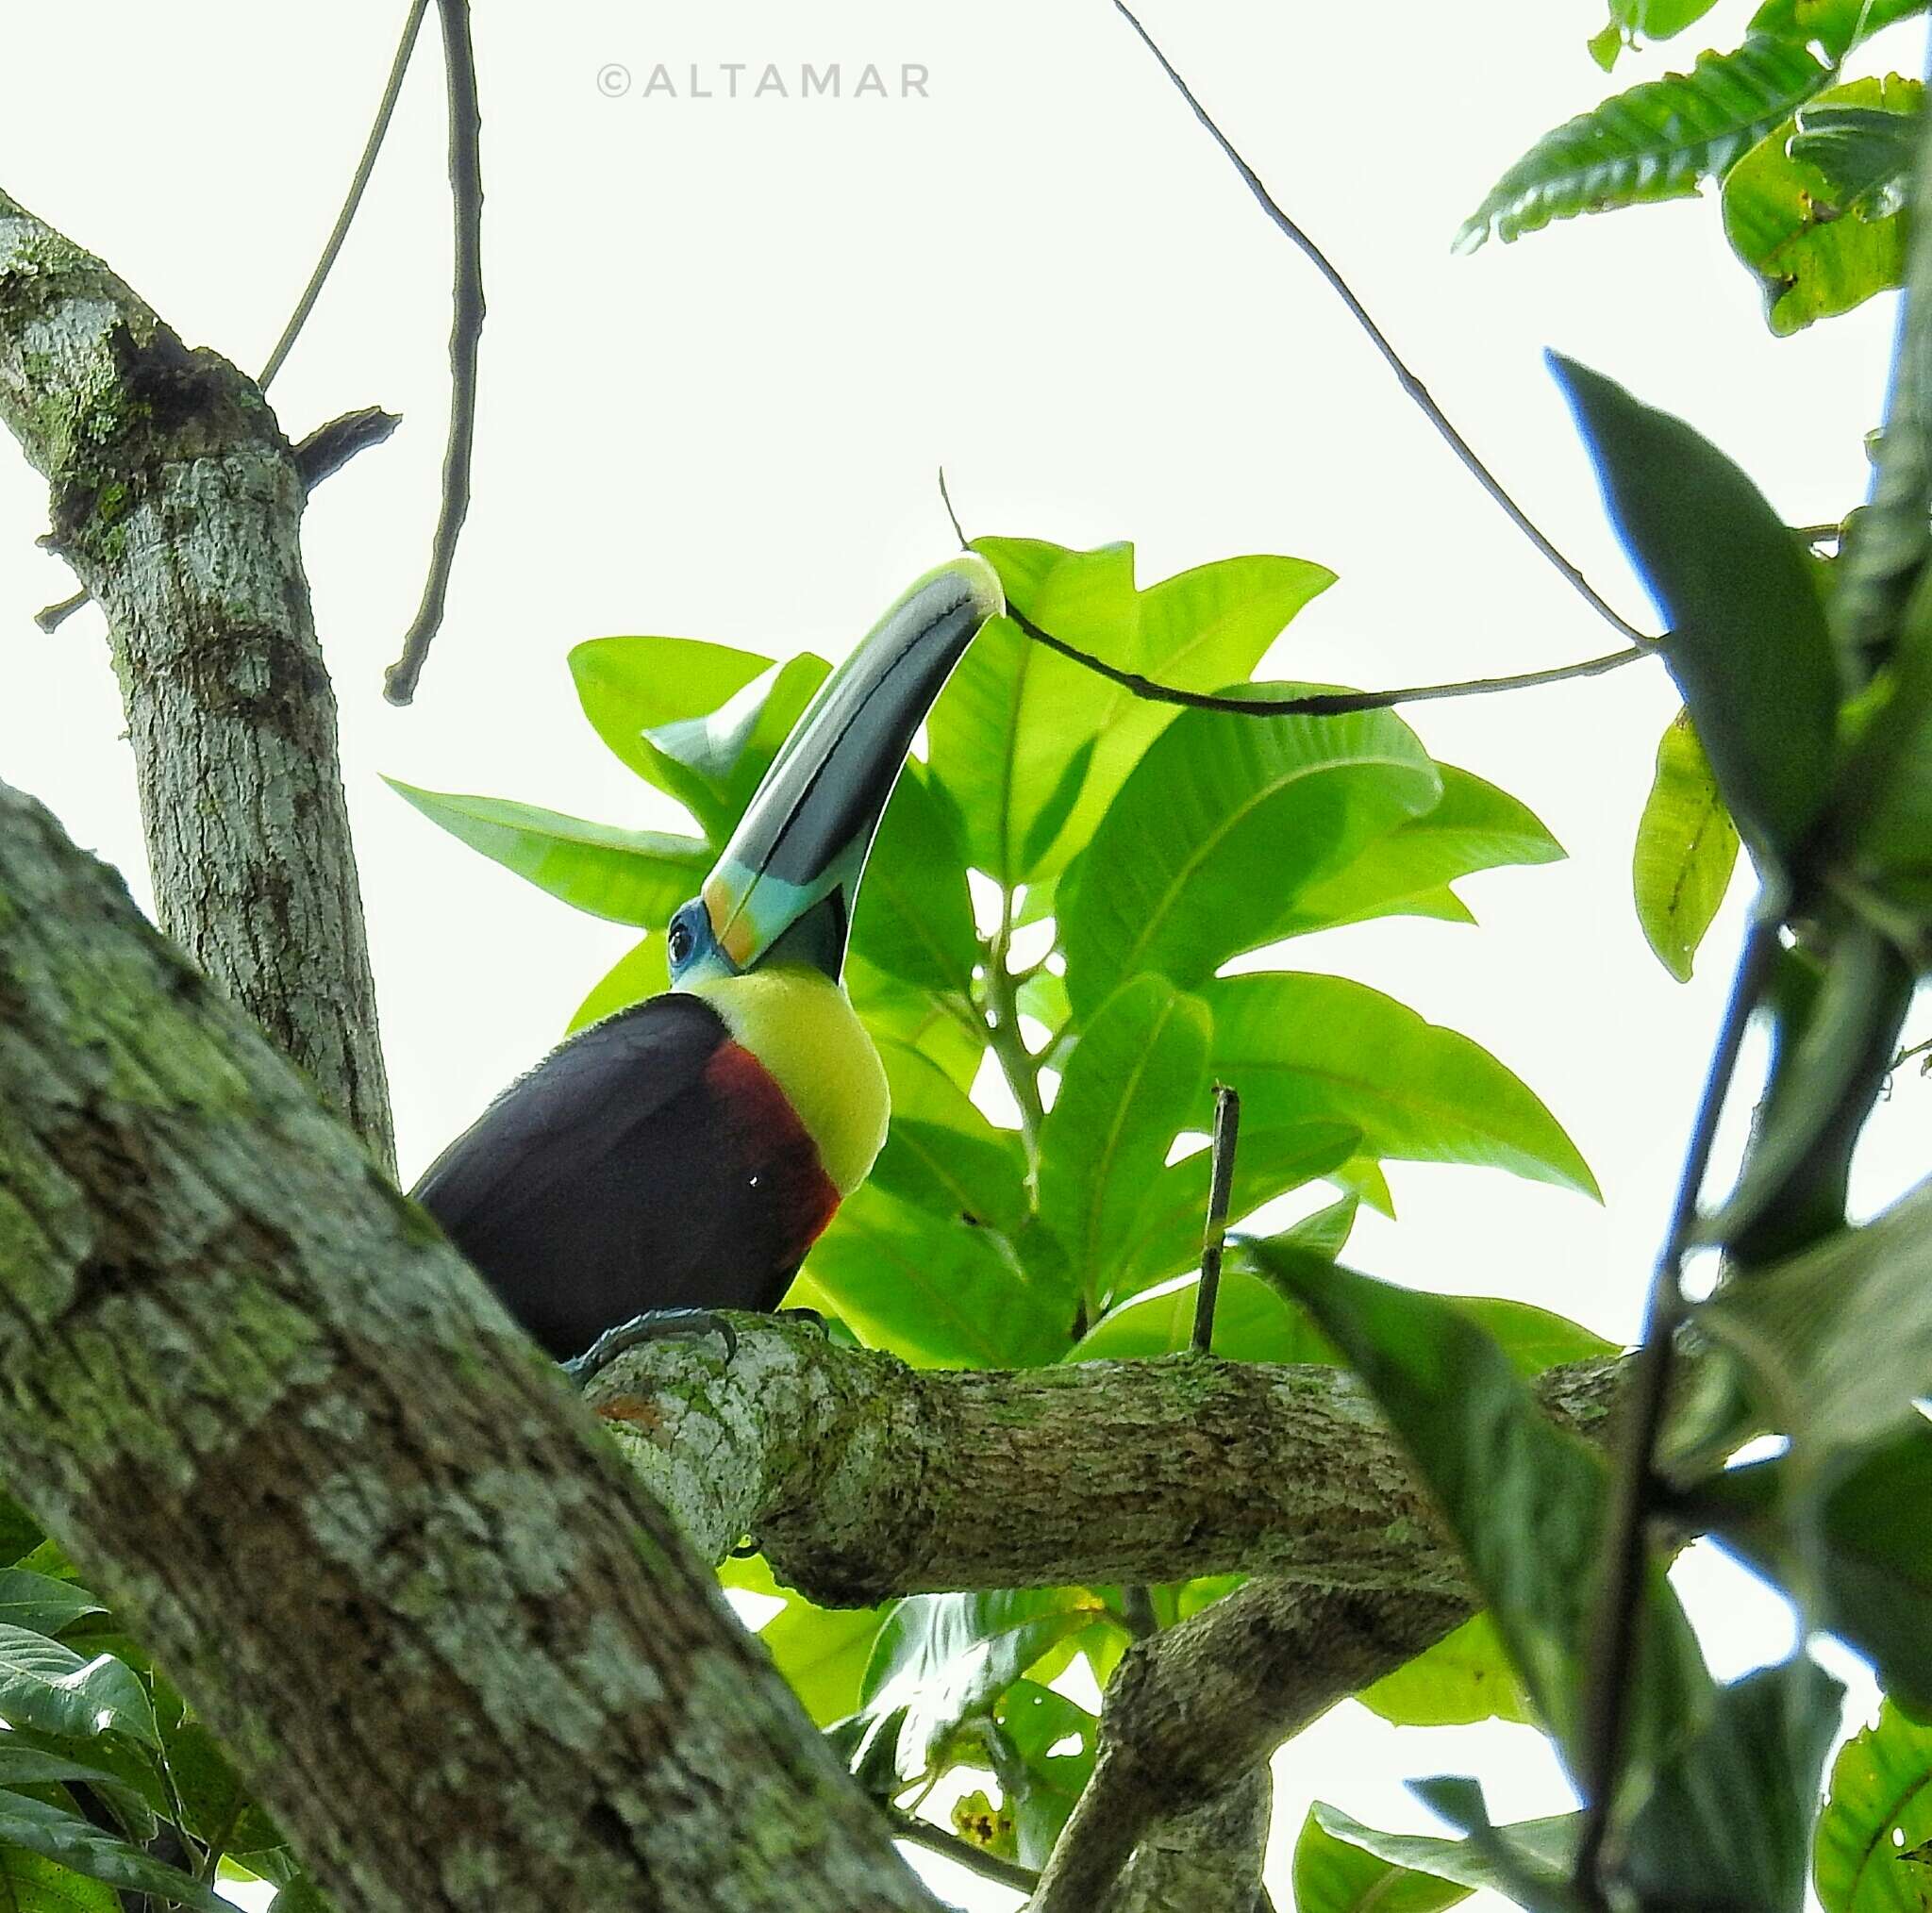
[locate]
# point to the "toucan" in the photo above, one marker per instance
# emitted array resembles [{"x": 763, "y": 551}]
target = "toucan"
[{"x": 684, "y": 1154}]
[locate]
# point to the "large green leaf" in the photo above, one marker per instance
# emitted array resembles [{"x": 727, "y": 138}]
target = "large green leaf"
[
  {"x": 941, "y": 1660},
  {"x": 941, "y": 1153},
  {"x": 1334, "y": 1875},
  {"x": 1033, "y": 746},
  {"x": 1658, "y": 140},
  {"x": 701, "y": 722},
  {"x": 47, "y": 1686},
  {"x": 42, "y": 1604},
  {"x": 1837, "y": 26},
  {"x": 1748, "y": 644},
  {"x": 1305, "y": 1048},
  {"x": 941, "y": 1026},
  {"x": 937, "y": 1291},
  {"x": 1544, "y": 1847},
  {"x": 1868, "y": 1852},
  {"x": 1465, "y": 1676},
  {"x": 1498, "y": 1470},
  {"x": 1135, "y": 1079},
  {"x": 1251, "y": 1323},
  {"x": 1728, "y": 1821},
  {"x": 1475, "y": 826},
  {"x": 1219, "y": 828},
  {"x": 1815, "y": 208},
  {"x": 821, "y": 1651},
  {"x": 1687, "y": 847},
  {"x": 58, "y": 1833},
  {"x": 1169, "y": 1226},
  {"x": 631, "y": 876},
  {"x": 914, "y": 919},
  {"x": 1039, "y": 1774},
  {"x": 29, "y": 1883}
]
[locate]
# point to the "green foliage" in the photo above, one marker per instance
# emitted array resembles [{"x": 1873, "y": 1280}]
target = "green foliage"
[
  {"x": 1817, "y": 208},
  {"x": 1334, "y": 1875},
  {"x": 1687, "y": 848},
  {"x": 1869, "y": 1854},
  {"x": 1536, "y": 1851}
]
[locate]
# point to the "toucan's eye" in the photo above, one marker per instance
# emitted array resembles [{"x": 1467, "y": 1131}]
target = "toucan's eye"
[{"x": 678, "y": 944}]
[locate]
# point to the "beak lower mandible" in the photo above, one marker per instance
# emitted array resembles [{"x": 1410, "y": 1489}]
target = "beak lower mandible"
[{"x": 785, "y": 887}]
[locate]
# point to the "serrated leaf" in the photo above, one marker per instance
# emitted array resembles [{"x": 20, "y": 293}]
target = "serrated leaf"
[
  {"x": 701, "y": 721},
  {"x": 1473, "y": 827},
  {"x": 1687, "y": 847},
  {"x": 914, "y": 919},
  {"x": 1465, "y": 1676},
  {"x": 1815, "y": 209},
  {"x": 1659, "y": 139},
  {"x": 1134, "y": 1080},
  {"x": 1877, "y": 1812},
  {"x": 941, "y": 1660},
  {"x": 1333, "y": 1875},
  {"x": 937, "y": 1292},
  {"x": 629, "y": 877},
  {"x": 47, "y": 1686},
  {"x": 640, "y": 972},
  {"x": 940, "y": 1153},
  {"x": 1747, "y": 643},
  {"x": 1220, "y": 829},
  {"x": 1305, "y": 1048},
  {"x": 1498, "y": 1470},
  {"x": 821, "y": 1651}
]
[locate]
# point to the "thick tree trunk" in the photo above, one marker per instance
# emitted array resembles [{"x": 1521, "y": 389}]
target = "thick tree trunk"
[
  {"x": 461, "y": 1656},
  {"x": 176, "y": 499}
]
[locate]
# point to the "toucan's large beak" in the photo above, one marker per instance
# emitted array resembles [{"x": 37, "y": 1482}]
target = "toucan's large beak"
[{"x": 785, "y": 887}]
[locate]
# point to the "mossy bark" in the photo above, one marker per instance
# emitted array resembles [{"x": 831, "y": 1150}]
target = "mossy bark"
[
  {"x": 463, "y": 1658},
  {"x": 177, "y": 501}
]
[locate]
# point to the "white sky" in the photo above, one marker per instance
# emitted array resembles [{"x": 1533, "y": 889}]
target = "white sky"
[{"x": 728, "y": 343}]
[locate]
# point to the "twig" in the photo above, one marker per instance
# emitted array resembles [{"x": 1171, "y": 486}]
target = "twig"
[
  {"x": 379, "y": 131},
  {"x": 946, "y": 499},
  {"x": 1408, "y": 381},
  {"x": 1616, "y": 1634},
  {"x": 922, "y": 1833},
  {"x": 320, "y": 456},
  {"x": 1227, "y": 1123},
  {"x": 1326, "y": 702},
  {"x": 466, "y": 328},
  {"x": 51, "y": 617}
]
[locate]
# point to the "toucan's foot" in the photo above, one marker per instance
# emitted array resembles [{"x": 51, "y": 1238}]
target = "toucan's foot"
[{"x": 655, "y": 1324}]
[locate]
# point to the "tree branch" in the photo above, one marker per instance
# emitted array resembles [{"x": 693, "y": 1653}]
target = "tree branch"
[
  {"x": 458, "y": 1654},
  {"x": 176, "y": 500}
]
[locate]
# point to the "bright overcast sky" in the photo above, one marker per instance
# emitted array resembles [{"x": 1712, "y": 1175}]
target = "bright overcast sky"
[{"x": 729, "y": 342}]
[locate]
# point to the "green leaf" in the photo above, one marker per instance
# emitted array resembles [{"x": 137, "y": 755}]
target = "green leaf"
[
  {"x": 1465, "y": 1676},
  {"x": 914, "y": 919},
  {"x": 60, "y": 1834},
  {"x": 701, "y": 722},
  {"x": 941, "y": 1154},
  {"x": 638, "y": 973},
  {"x": 31, "y": 1885},
  {"x": 1815, "y": 209},
  {"x": 1728, "y": 1820},
  {"x": 1251, "y": 1323},
  {"x": 1543, "y": 1848},
  {"x": 1837, "y": 26},
  {"x": 1009, "y": 732},
  {"x": 1132, "y": 1082},
  {"x": 1852, "y": 1552},
  {"x": 1634, "y": 20},
  {"x": 1498, "y": 1470},
  {"x": 1218, "y": 830},
  {"x": 1475, "y": 826},
  {"x": 947, "y": 1033},
  {"x": 1041, "y": 1785},
  {"x": 1304, "y": 1048},
  {"x": 821, "y": 1651},
  {"x": 47, "y": 1686},
  {"x": 1877, "y": 1813},
  {"x": 1334, "y": 1875},
  {"x": 1169, "y": 1225},
  {"x": 41, "y": 1603},
  {"x": 1687, "y": 847},
  {"x": 939, "y": 1293},
  {"x": 20, "y": 1533},
  {"x": 630, "y": 876},
  {"x": 1658, "y": 141},
  {"x": 941, "y": 1660},
  {"x": 1747, "y": 644}
]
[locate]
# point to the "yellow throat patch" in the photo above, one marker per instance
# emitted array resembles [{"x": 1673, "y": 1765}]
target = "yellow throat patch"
[{"x": 802, "y": 1027}]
